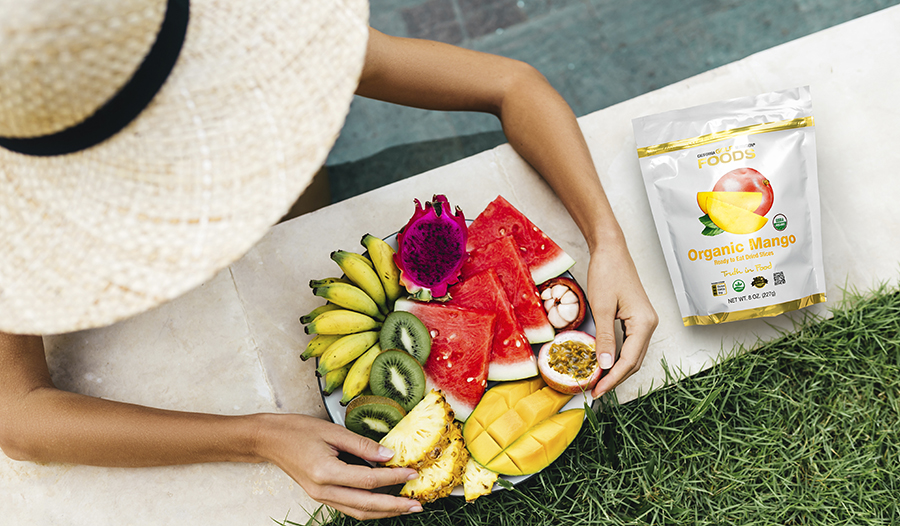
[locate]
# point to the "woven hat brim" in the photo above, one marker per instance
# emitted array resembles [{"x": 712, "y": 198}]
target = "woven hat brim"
[{"x": 247, "y": 116}]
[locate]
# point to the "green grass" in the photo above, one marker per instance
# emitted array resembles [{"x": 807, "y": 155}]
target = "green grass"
[{"x": 802, "y": 430}]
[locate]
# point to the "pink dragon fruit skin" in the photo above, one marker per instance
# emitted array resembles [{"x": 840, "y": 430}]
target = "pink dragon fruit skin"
[{"x": 432, "y": 249}]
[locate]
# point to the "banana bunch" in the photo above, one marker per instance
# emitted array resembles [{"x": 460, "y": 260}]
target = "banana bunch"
[{"x": 345, "y": 329}]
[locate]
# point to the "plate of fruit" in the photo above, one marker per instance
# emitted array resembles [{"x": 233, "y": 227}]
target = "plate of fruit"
[{"x": 464, "y": 346}]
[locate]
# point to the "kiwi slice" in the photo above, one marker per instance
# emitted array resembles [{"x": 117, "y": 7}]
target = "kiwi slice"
[
  {"x": 373, "y": 416},
  {"x": 404, "y": 331},
  {"x": 399, "y": 376}
]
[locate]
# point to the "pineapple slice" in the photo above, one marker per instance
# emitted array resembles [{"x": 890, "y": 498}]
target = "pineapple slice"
[
  {"x": 438, "y": 479},
  {"x": 477, "y": 480},
  {"x": 421, "y": 436}
]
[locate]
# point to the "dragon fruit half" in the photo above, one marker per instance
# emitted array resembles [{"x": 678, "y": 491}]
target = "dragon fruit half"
[{"x": 432, "y": 249}]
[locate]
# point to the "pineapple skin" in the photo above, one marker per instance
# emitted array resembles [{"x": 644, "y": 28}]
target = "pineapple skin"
[{"x": 438, "y": 479}]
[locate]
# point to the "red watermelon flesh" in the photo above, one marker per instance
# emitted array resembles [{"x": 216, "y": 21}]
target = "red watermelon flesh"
[
  {"x": 503, "y": 256},
  {"x": 460, "y": 351},
  {"x": 511, "y": 355},
  {"x": 543, "y": 257}
]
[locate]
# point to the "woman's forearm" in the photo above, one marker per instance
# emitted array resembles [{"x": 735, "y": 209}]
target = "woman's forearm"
[
  {"x": 541, "y": 127},
  {"x": 49, "y": 425},
  {"x": 42, "y": 423}
]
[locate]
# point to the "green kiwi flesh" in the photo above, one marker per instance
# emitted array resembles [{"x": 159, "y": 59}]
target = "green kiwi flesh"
[
  {"x": 403, "y": 330},
  {"x": 373, "y": 416},
  {"x": 397, "y": 375}
]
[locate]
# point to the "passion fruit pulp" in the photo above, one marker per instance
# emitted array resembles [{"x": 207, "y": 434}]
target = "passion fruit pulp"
[{"x": 568, "y": 363}]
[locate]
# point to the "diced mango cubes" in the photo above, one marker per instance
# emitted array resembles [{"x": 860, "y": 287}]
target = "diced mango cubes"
[
  {"x": 528, "y": 435},
  {"x": 538, "y": 448}
]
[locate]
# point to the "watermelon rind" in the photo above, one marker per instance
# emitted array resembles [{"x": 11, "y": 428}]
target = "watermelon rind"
[
  {"x": 461, "y": 408},
  {"x": 539, "y": 334},
  {"x": 502, "y": 372},
  {"x": 551, "y": 268},
  {"x": 544, "y": 258}
]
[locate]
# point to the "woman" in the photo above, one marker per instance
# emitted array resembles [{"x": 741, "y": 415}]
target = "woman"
[{"x": 41, "y": 423}]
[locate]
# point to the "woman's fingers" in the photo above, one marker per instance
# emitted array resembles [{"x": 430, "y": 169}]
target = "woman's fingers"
[
  {"x": 634, "y": 348},
  {"x": 364, "y": 505},
  {"x": 622, "y": 299}
]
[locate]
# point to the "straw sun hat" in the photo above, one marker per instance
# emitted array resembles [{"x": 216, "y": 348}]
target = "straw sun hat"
[{"x": 117, "y": 194}]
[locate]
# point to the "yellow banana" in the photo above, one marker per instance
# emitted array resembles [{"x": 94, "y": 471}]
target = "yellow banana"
[
  {"x": 318, "y": 310},
  {"x": 361, "y": 271},
  {"x": 361, "y": 258},
  {"x": 345, "y": 350},
  {"x": 382, "y": 256},
  {"x": 317, "y": 345},
  {"x": 358, "y": 377},
  {"x": 334, "y": 379},
  {"x": 350, "y": 297},
  {"x": 342, "y": 321},
  {"x": 313, "y": 283}
]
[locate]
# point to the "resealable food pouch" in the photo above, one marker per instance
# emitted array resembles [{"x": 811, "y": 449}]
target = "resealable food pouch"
[{"x": 735, "y": 198}]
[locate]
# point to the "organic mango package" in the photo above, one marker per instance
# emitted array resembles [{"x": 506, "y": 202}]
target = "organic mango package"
[{"x": 734, "y": 194}]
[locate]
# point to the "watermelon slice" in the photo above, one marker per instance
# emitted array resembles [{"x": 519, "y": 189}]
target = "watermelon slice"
[
  {"x": 503, "y": 256},
  {"x": 460, "y": 351},
  {"x": 511, "y": 355},
  {"x": 544, "y": 258}
]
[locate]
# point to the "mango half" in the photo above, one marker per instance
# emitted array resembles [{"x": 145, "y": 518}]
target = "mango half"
[{"x": 517, "y": 428}]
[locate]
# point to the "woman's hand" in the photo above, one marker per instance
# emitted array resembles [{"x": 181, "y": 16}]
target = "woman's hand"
[
  {"x": 307, "y": 448},
  {"x": 615, "y": 293}
]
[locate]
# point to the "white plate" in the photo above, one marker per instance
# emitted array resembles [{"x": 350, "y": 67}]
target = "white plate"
[{"x": 337, "y": 412}]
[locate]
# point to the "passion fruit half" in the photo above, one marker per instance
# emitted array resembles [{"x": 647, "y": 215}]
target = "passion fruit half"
[{"x": 568, "y": 363}]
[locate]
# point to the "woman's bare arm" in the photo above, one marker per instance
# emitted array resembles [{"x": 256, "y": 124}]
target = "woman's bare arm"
[
  {"x": 541, "y": 127},
  {"x": 43, "y": 423}
]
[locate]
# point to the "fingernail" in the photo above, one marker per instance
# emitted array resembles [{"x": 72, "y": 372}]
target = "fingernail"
[
  {"x": 415, "y": 509},
  {"x": 385, "y": 453},
  {"x": 606, "y": 360},
  {"x": 413, "y": 476}
]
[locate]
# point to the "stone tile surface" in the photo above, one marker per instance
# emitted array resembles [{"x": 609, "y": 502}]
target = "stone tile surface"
[
  {"x": 483, "y": 17},
  {"x": 434, "y": 20}
]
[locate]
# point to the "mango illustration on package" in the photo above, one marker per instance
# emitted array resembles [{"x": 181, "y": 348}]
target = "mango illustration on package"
[{"x": 737, "y": 203}]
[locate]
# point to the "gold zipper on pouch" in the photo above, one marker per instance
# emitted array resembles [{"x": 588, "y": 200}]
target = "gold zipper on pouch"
[
  {"x": 753, "y": 129},
  {"x": 758, "y": 312}
]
